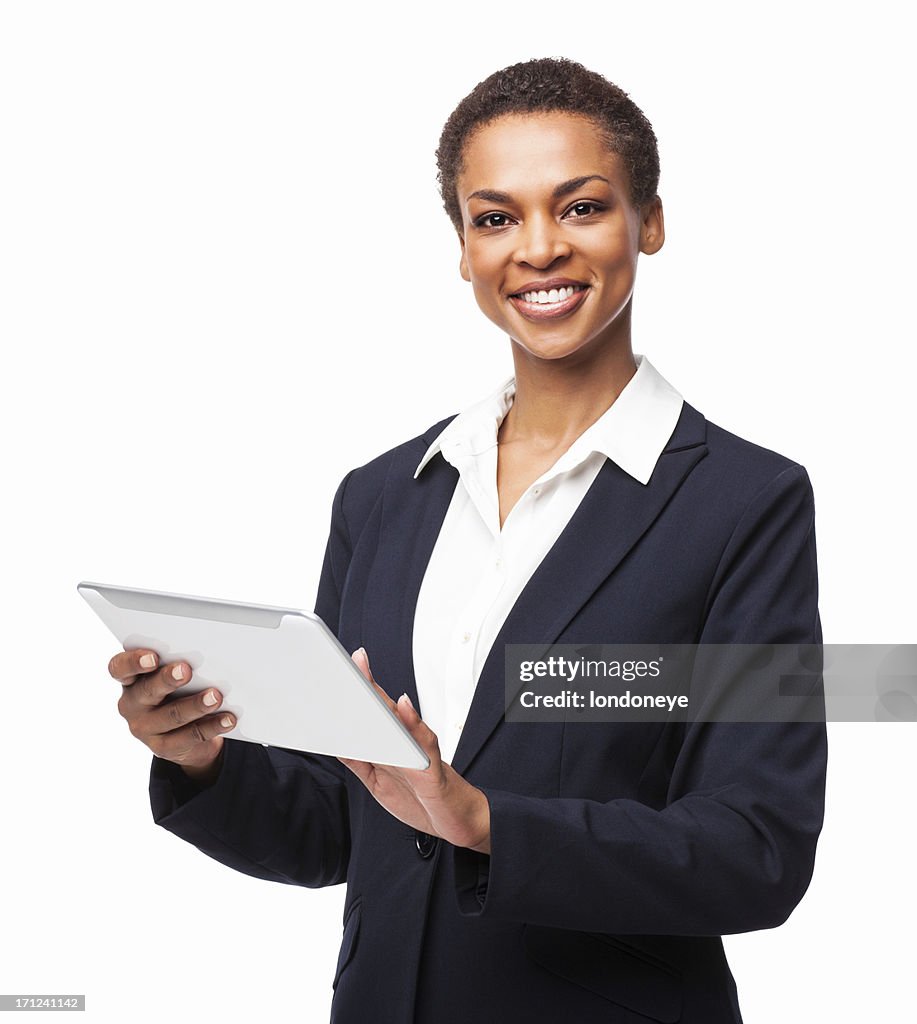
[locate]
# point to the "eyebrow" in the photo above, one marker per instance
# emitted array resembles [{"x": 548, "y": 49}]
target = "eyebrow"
[{"x": 563, "y": 189}]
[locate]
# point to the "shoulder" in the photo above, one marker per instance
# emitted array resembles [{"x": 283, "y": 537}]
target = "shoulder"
[
  {"x": 361, "y": 487},
  {"x": 733, "y": 472},
  {"x": 729, "y": 451}
]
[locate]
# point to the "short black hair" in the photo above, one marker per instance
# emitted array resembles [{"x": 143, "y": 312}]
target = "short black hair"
[{"x": 544, "y": 85}]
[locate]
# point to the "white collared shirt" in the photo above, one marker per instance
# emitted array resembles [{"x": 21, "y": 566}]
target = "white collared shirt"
[{"x": 477, "y": 570}]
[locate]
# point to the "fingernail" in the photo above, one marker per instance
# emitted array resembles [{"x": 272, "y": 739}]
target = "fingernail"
[
  {"x": 210, "y": 698},
  {"x": 178, "y": 672},
  {"x": 148, "y": 661},
  {"x": 226, "y": 721},
  {"x": 404, "y": 696}
]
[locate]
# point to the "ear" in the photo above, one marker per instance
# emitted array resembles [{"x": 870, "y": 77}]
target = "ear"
[
  {"x": 463, "y": 262},
  {"x": 652, "y": 227}
]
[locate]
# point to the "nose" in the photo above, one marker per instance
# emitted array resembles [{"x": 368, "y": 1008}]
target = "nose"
[{"x": 541, "y": 242}]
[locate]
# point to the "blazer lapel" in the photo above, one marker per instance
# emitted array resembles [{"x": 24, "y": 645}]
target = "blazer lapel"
[
  {"x": 616, "y": 511},
  {"x": 412, "y": 517}
]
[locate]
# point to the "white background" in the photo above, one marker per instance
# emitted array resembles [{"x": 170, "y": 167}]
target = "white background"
[{"x": 226, "y": 279}]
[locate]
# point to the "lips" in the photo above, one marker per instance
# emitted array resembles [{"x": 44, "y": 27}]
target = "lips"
[{"x": 549, "y": 300}]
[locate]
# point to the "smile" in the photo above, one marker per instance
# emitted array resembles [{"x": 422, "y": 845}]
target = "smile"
[{"x": 545, "y": 304}]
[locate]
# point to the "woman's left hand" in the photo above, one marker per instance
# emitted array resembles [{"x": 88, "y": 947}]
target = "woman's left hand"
[{"x": 436, "y": 800}]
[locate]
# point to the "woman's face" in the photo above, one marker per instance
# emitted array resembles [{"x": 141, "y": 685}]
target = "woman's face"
[{"x": 550, "y": 238}]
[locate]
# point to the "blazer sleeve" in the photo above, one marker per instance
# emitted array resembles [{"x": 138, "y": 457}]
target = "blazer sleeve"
[
  {"x": 272, "y": 813},
  {"x": 733, "y": 848}
]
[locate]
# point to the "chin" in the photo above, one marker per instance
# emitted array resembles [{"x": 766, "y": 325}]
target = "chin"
[{"x": 548, "y": 351}]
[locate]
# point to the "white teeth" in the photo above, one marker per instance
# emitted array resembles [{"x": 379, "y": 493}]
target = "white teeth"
[{"x": 549, "y": 297}]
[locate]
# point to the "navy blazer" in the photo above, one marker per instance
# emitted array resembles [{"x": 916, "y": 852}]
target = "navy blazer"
[{"x": 620, "y": 852}]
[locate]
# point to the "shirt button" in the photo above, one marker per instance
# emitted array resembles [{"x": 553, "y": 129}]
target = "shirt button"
[
  {"x": 466, "y": 637},
  {"x": 537, "y": 490},
  {"x": 499, "y": 563}
]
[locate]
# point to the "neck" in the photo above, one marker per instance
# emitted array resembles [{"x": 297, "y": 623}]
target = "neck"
[{"x": 555, "y": 401}]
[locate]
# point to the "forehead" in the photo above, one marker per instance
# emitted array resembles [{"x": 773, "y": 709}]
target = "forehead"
[{"x": 525, "y": 152}]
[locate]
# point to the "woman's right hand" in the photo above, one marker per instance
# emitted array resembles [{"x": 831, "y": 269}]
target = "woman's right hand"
[{"x": 186, "y": 730}]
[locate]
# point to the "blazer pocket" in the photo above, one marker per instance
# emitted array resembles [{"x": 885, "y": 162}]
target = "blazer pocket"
[
  {"x": 605, "y": 965},
  {"x": 349, "y": 940}
]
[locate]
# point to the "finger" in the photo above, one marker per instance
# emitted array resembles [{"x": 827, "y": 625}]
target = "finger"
[
  {"x": 375, "y": 777},
  {"x": 127, "y": 665},
  {"x": 363, "y": 770},
  {"x": 192, "y": 741},
  {"x": 180, "y": 711},
  {"x": 407, "y": 709},
  {"x": 152, "y": 689},
  {"x": 361, "y": 660},
  {"x": 419, "y": 729}
]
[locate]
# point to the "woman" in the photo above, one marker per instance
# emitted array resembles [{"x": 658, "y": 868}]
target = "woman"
[{"x": 564, "y": 870}]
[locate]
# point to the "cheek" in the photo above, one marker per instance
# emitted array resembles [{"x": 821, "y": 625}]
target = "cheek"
[
  {"x": 483, "y": 272},
  {"x": 618, "y": 252},
  {"x": 484, "y": 297},
  {"x": 621, "y": 273}
]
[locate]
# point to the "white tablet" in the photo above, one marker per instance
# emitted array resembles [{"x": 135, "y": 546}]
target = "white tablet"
[{"x": 281, "y": 671}]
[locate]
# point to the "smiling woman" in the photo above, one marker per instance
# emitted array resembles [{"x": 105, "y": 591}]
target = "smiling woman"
[
  {"x": 558, "y": 870},
  {"x": 541, "y": 193}
]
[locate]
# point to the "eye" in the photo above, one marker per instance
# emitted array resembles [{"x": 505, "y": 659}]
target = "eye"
[
  {"x": 493, "y": 220},
  {"x": 584, "y": 208}
]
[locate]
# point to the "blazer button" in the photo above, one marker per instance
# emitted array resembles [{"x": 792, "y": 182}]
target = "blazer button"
[{"x": 426, "y": 844}]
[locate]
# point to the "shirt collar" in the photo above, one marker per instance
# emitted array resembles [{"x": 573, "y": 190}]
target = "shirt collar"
[{"x": 632, "y": 432}]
